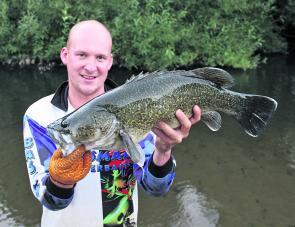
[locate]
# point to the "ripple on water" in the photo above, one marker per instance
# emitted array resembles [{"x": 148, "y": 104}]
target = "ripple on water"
[{"x": 193, "y": 208}]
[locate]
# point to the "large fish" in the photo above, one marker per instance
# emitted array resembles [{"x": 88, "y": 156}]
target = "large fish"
[{"x": 122, "y": 117}]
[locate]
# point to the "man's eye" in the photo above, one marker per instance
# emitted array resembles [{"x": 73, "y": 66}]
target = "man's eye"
[
  {"x": 101, "y": 58},
  {"x": 81, "y": 55}
]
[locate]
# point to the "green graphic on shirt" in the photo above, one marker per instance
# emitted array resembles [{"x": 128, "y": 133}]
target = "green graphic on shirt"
[
  {"x": 116, "y": 217},
  {"x": 117, "y": 188}
]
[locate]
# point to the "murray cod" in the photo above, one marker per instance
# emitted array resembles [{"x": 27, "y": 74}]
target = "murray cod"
[{"x": 122, "y": 117}]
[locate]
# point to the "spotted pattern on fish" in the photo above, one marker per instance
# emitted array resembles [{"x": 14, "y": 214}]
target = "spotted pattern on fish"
[{"x": 136, "y": 107}]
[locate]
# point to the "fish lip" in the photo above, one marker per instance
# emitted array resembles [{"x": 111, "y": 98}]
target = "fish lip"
[
  {"x": 58, "y": 136},
  {"x": 54, "y": 135}
]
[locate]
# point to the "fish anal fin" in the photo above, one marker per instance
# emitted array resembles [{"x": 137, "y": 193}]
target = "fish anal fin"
[
  {"x": 133, "y": 150},
  {"x": 218, "y": 76},
  {"x": 212, "y": 119}
]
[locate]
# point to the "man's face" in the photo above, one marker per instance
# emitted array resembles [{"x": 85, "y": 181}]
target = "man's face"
[{"x": 88, "y": 59}]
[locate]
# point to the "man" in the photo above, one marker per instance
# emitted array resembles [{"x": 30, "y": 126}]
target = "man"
[{"x": 97, "y": 188}]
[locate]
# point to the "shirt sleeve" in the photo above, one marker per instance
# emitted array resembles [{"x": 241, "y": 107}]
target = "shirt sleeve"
[
  {"x": 153, "y": 179},
  {"x": 38, "y": 150}
]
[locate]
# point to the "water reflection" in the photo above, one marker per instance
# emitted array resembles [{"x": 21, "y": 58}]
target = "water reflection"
[{"x": 193, "y": 210}]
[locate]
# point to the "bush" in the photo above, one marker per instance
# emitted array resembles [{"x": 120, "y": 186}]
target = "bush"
[{"x": 148, "y": 34}]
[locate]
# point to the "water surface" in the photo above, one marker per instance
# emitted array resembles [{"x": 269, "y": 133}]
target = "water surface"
[{"x": 224, "y": 178}]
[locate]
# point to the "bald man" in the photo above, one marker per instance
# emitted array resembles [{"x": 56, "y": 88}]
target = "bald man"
[{"x": 93, "y": 188}]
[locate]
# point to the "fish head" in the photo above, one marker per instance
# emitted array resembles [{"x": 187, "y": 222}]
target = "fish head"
[{"x": 82, "y": 127}]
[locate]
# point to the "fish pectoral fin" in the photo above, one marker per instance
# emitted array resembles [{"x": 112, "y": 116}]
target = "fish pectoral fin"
[
  {"x": 133, "y": 150},
  {"x": 212, "y": 119},
  {"x": 218, "y": 76}
]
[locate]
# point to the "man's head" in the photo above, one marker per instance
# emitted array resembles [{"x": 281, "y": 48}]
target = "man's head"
[{"x": 88, "y": 59}]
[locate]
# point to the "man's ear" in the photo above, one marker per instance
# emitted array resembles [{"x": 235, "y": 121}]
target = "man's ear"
[
  {"x": 64, "y": 55},
  {"x": 110, "y": 63}
]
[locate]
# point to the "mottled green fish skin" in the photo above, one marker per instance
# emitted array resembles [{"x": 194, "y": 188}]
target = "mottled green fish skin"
[
  {"x": 147, "y": 99},
  {"x": 140, "y": 104},
  {"x": 146, "y": 111}
]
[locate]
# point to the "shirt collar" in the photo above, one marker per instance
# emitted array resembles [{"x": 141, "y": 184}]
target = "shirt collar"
[{"x": 60, "y": 98}]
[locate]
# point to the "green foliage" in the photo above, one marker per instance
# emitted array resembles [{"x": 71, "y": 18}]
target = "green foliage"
[
  {"x": 149, "y": 34},
  {"x": 233, "y": 34},
  {"x": 287, "y": 11},
  {"x": 5, "y": 30},
  {"x": 290, "y": 12}
]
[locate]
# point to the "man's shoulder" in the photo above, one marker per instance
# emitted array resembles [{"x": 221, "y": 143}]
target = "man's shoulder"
[
  {"x": 43, "y": 111},
  {"x": 40, "y": 104}
]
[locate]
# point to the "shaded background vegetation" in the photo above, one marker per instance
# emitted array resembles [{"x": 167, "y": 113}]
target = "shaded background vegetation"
[{"x": 152, "y": 34}]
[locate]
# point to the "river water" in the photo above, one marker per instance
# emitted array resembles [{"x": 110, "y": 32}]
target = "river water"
[{"x": 224, "y": 178}]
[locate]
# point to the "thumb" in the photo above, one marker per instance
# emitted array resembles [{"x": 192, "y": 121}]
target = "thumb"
[
  {"x": 57, "y": 154},
  {"x": 75, "y": 155}
]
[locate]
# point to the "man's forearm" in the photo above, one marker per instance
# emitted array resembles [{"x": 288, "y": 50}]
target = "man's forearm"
[
  {"x": 161, "y": 158},
  {"x": 56, "y": 198}
]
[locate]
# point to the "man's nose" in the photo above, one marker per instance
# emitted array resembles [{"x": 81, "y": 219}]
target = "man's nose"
[{"x": 91, "y": 65}]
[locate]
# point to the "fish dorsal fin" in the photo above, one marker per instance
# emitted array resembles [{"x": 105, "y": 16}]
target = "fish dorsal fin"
[
  {"x": 143, "y": 75},
  {"x": 212, "y": 119},
  {"x": 135, "y": 77},
  {"x": 218, "y": 76}
]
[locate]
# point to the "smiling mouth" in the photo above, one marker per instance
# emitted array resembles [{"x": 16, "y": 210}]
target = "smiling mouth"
[{"x": 88, "y": 77}]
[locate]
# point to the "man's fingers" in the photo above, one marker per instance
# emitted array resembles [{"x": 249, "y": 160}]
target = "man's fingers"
[
  {"x": 169, "y": 134},
  {"x": 87, "y": 160},
  {"x": 57, "y": 154},
  {"x": 68, "y": 161},
  {"x": 197, "y": 115},
  {"x": 68, "y": 171},
  {"x": 76, "y": 154},
  {"x": 162, "y": 136},
  {"x": 185, "y": 123},
  {"x": 82, "y": 168}
]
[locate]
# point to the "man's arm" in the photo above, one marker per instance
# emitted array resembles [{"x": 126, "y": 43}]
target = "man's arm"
[
  {"x": 159, "y": 168},
  {"x": 38, "y": 151},
  {"x": 168, "y": 137}
]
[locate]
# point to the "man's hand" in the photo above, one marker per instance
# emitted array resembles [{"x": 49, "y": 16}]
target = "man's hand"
[
  {"x": 168, "y": 137},
  {"x": 66, "y": 171}
]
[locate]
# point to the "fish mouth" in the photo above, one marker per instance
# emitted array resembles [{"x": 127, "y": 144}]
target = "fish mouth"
[
  {"x": 59, "y": 138},
  {"x": 64, "y": 141}
]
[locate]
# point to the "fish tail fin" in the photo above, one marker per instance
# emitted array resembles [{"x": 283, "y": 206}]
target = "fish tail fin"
[{"x": 256, "y": 113}]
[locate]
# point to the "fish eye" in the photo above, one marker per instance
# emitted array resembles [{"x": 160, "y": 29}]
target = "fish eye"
[{"x": 64, "y": 124}]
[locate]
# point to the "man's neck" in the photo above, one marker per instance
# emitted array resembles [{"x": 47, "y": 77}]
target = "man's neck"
[{"x": 77, "y": 100}]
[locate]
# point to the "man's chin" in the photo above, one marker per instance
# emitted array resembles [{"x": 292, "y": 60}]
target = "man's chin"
[{"x": 91, "y": 92}]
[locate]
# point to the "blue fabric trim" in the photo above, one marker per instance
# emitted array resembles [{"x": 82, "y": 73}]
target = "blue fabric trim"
[
  {"x": 45, "y": 145},
  {"x": 148, "y": 144},
  {"x": 149, "y": 183}
]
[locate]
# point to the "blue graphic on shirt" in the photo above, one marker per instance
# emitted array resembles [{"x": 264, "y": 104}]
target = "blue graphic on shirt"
[
  {"x": 45, "y": 145},
  {"x": 29, "y": 155},
  {"x": 148, "y": 144},
  {"x": 31, "y": 168},
  {"x": 36, "y": 188},
  {"x": 28, "y": 143},
  {"x": 46, "y": 164}
]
